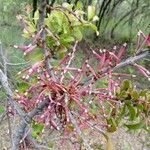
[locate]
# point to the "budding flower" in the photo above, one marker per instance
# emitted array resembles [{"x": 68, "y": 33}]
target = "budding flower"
[
  {"x": 19, "y": 73},
  {"x": 133, "y": 76},
  {"x": 26, "y": 93},
  {"x": 30, "y": 70},
  {"x": 27, "y": 77},
  {"x": 85, "y": 111},
  {"x": 23, "y": 77},
  {"x": 16, "y": 91}
]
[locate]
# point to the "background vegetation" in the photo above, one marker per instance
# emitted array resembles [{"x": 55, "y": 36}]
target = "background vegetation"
[{"x": 119, "y": 21}]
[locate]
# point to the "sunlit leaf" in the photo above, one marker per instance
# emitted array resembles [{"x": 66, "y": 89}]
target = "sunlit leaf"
[
  {"x": 91, "y": 12},
  {"x": 79, "y": 5},
  {"x": 36, "y": 17},
  {"x": 67, "y": 5}
]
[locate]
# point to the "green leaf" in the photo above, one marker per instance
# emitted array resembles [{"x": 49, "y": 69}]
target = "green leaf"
[
  {"x": 134, "y": 95},
  {"x": 22, "y": 87},
  {"x": 132, "y": 112},
  {"x": 93, "y": 27},
  {"x": 2, "y": 109},
  {"x": 36, "y": 17},
  {"x": 57, "y": 22},
  {"x": 142, "y": 92},
  {"x": 66, "y": 39},
  {"x": 77, "y": 33},
  {"x": 36, "y": 129},
  {"x": 140, "y": 106},
  {"x": 91, "y": 12},
  {"x": 112, "y": 125},
  {"x": 130, "y": 70},
  {"x": 126, "y": 85},
  {"x": 50, "y": 144},
  {"x": 79, "y": 5},
  {"x": 35, "y": 56},
  {"x": 61, "y": 52},
  {"x": 135, "y": 126},
  {"x": 54, "y": 62},
  {"x": 122, "y": 112},
  {"x": 31, "y": 28}
]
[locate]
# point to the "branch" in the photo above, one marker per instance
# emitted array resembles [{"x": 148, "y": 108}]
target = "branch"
[
  {"x": 126, "y": 62},
  {"x": 85, "y": 142},
  {"x": 24, "y": 122},
  {"x": 132, "y": 60},
  {"x": 6, "y": 86}
]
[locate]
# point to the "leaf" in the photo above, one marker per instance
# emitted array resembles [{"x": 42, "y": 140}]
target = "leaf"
[
  {"x": 31, "y": 28},
  {"x": 57, "y": 23},
  {"x": 142, "y": 92},
  {"x": 132, "y": 112},
  {"x": 66, "y": 39},
  {"x": 50, "y": 144},
  {"x": 121, "y": 114},
  {"x": 91, "y": 12},
  {"x": 140, "y": 106},
  {"x": 126, "y": 84},
  {"x": 131, "y": 70},
  {"x": 61, "y": 52},
  {"x": 36, "y": 128},
  {"x": 22, "y": 87},
  {"x": 135, "y": 126},
  {"x": 36, "y": 17},
  {"x": 2, "y": 109},
  {"x": 54, "y": 62},
  {"x": 112, "y": 125},
  {"x": 77, "y": 33},
  {"x": 93, "y": 27},
  {"x": 95, "y": 18},
  {"x": 79, "y": 5},
  {"x": 67, "y": 5},
  {"x": 35, "y": 55},
  {"x": 134, "y": 95}
]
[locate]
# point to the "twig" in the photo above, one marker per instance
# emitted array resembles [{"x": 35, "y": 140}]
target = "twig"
[
  {"x": 124, "y": 63},
  {"x": 85, "y": 142},
  {"x": 24, "y": 122},
  {"x": 131, "y": 60},
  {"x": 17, "y": 64},
  {"x": 3, "y": 58}
]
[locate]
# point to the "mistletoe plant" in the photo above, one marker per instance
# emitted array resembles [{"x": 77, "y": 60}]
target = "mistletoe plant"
[{"x": 58, "y": 93}]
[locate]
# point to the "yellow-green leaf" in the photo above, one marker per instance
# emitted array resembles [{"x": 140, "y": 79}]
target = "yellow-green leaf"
[
  {"x": 134, "y": 95},
  {"x": 91, "y": 12}
]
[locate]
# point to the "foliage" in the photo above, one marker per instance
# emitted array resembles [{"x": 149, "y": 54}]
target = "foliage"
[{"x": 71, "y": 90}]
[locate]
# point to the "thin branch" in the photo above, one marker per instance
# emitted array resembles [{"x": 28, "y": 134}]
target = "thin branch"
[
  {"x": 132, "y": 60},
  {"x": 3, "y": 58},
  {"x": 24, "y": 122}
]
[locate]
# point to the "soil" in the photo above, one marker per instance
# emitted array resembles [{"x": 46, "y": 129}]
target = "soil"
[{"x": 121, "y": 139}]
